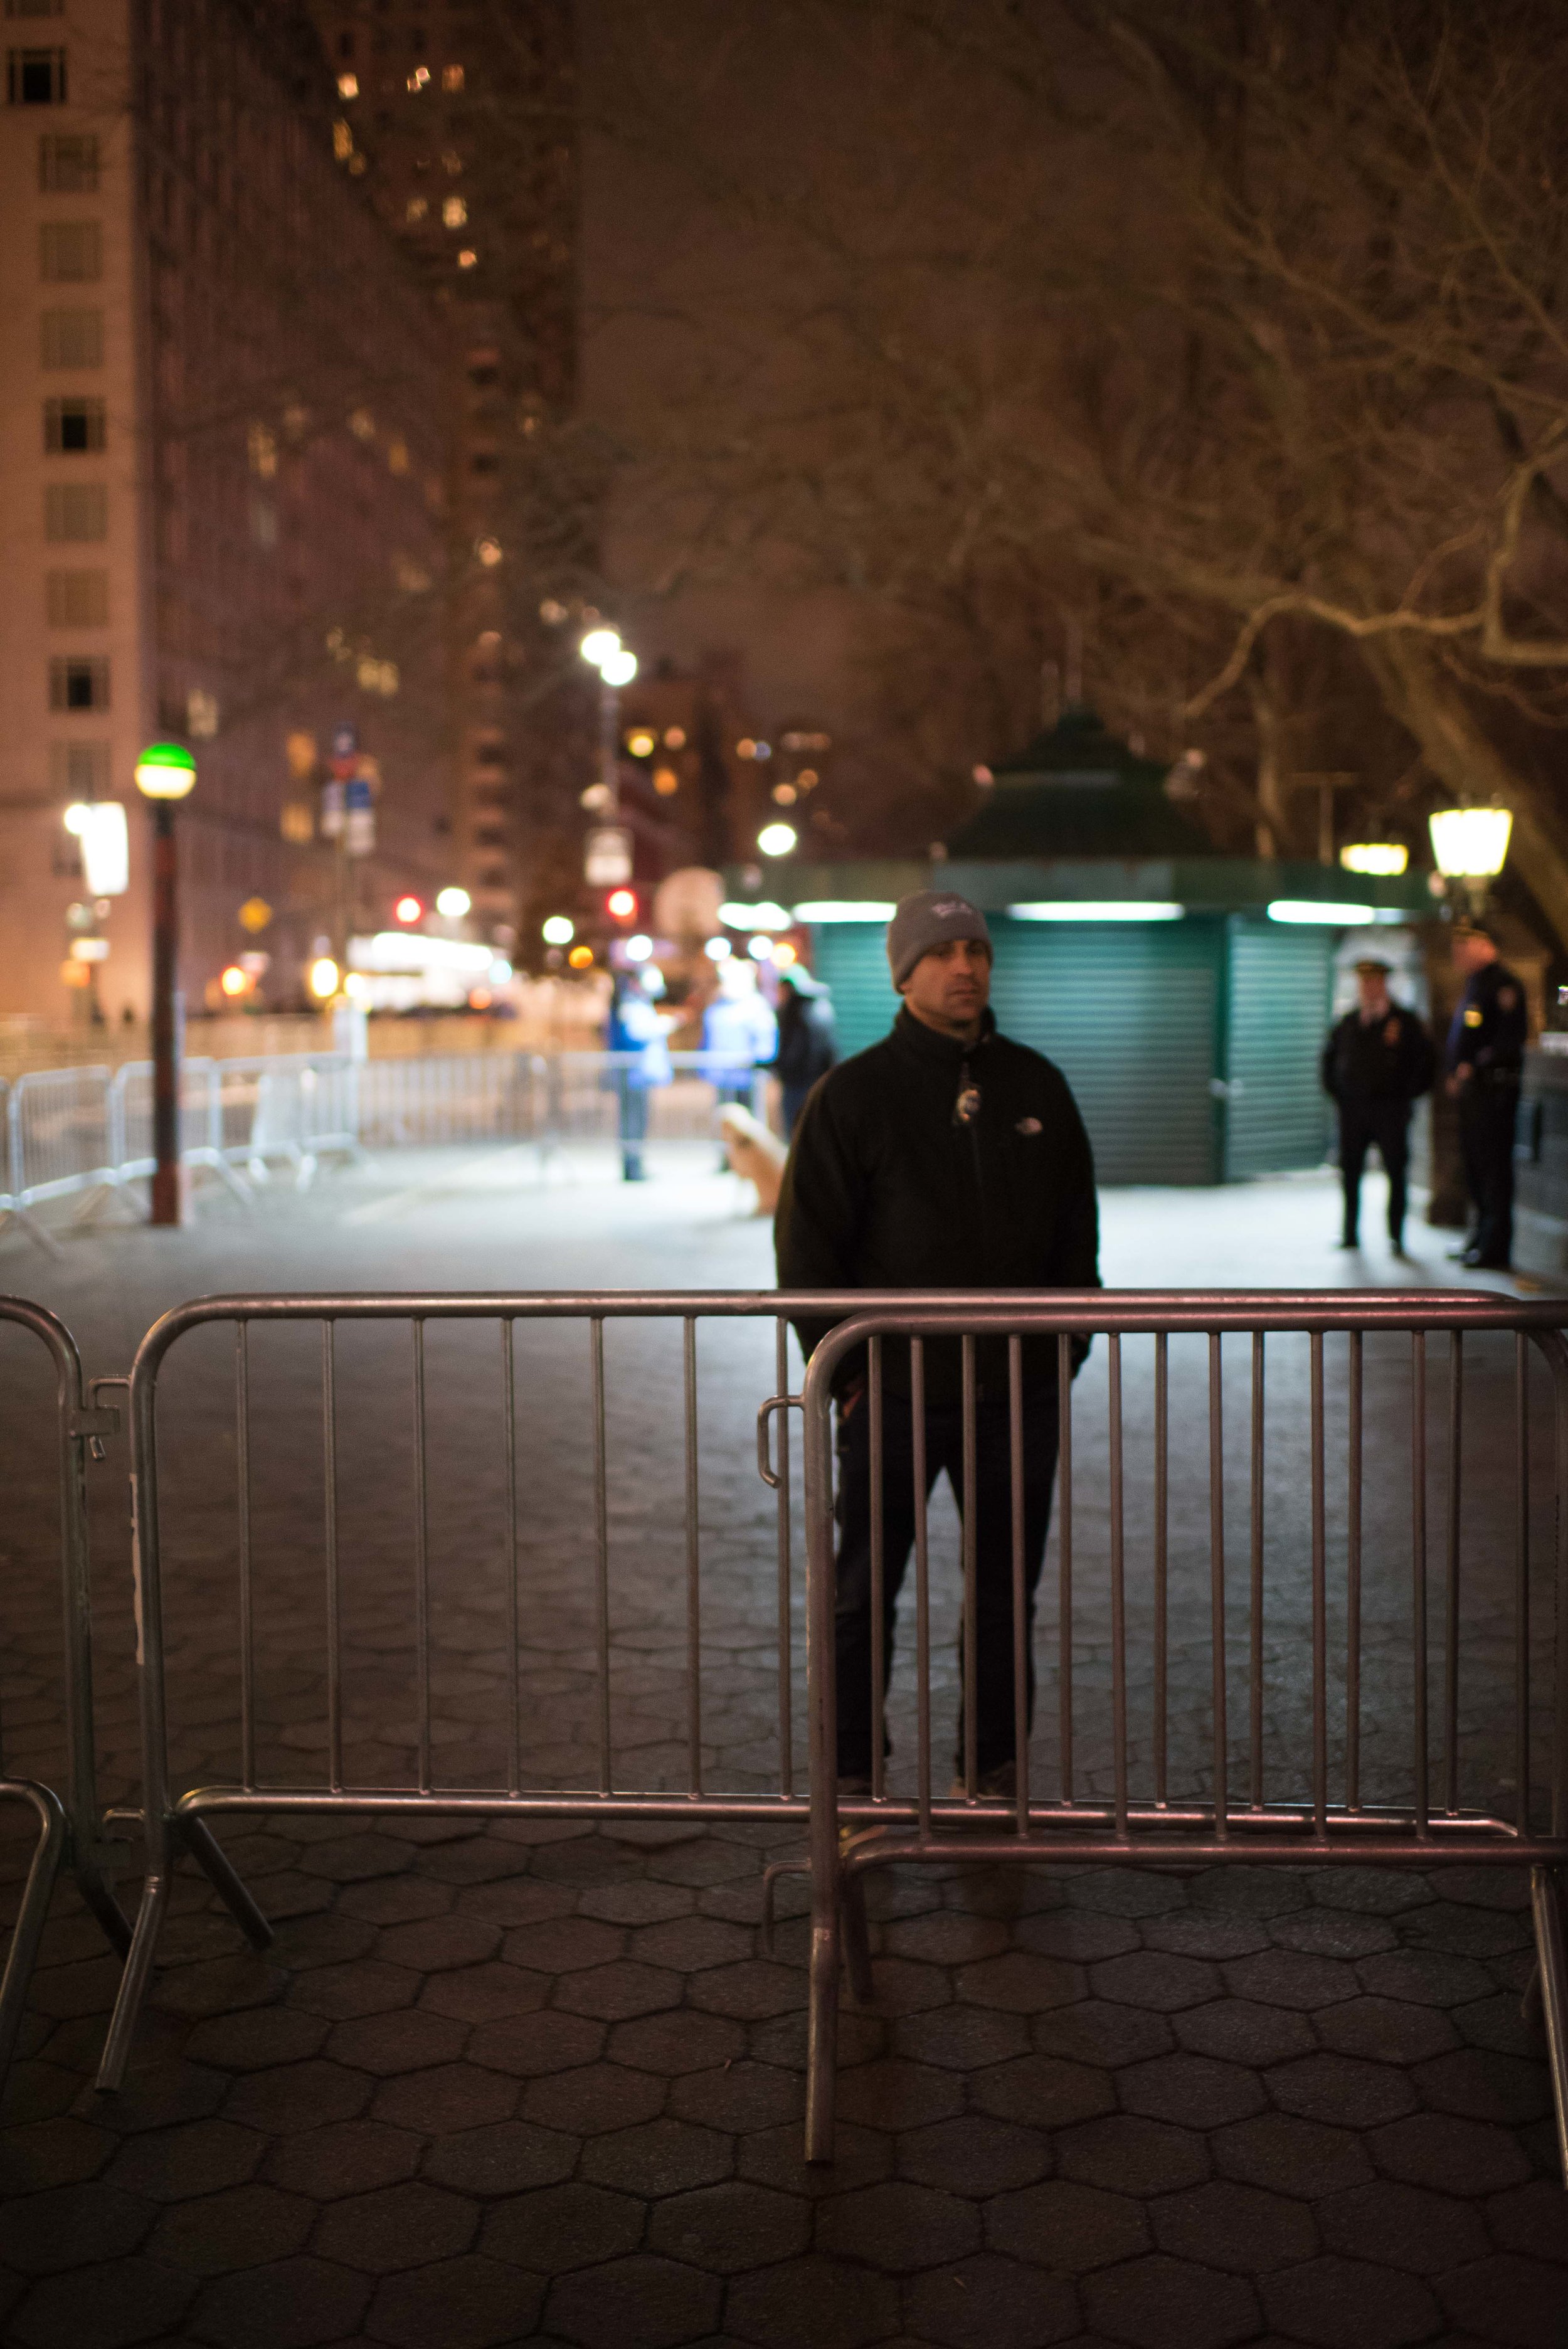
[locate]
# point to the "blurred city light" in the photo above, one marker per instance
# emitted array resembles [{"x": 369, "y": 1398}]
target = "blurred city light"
[
  {"x": 639, "y": 948},
  {"x": 1471, "y": 844},
  {"x": 453, "y": 902},
  {"x": 559, "y": 930},
  {"x": 1307, "y": 909},
  {"x": 408, "y": 909},
  {"x": 640, "y": 743},
  {"x": 618, "y": 668},
  {"x": 101, "y": 827},
  {"x": 76, "y": 817},
  {"x": 598, "y": 645},
  {"x": 234, "y": 981},
  {"x": 784, "y": 954},
  {"x": 580, "y": 958},
  {"x": 1102, "y": 909},
  {"x": 846, "y": 909},
  {"x": 165, "y": 770},
  {"x": 776, "y": 838},
  {"x": 621, "y": 904},
  {"x": 766, "y": 915},
  {"x": 719, "y": 950},
  {"x": 1385, "y": 858},
  {"x": 760, "y": 948},
  {"x": 323, "y": 977}
]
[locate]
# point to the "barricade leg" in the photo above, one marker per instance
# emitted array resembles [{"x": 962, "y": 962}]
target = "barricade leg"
[
  {"x": 857, "y": 1938},
  {"x": 220, "y": 1870},
  {"x": 48, "y": 1854},
  {"x": 822, "y": 2013},
  {"x": 1552, "y": 1964},
  {"x": 133, "y": 1982},
  {"x": 111, "y": 1917}
]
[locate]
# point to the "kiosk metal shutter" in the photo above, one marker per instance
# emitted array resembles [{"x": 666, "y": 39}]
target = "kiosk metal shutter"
[
  {"x": 1277, "y": 1115},
  {"x": 850, "y": 958},
  {"x": 1128, "y": 1012}
]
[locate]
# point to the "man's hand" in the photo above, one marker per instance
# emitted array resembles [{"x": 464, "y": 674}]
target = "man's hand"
[{"x": 1460, "y": 1080}]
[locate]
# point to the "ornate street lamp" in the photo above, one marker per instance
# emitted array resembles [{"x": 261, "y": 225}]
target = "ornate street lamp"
[
  {"x": 1470, "y": 845},
  {"x": 165, "y": 774}
]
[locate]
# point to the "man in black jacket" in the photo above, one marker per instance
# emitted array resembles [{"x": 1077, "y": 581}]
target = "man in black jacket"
[
  {"x": 1376, "y": 1063},
  {"x": 1485, "y": 1063},
  {"x": 944, "y": 1157}
]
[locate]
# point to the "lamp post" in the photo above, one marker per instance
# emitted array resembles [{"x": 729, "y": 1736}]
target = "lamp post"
[
  {"x": 608, "y": 857},
  {"x": 165, "y": 772},
  {"x": 1470, "y": 845}
]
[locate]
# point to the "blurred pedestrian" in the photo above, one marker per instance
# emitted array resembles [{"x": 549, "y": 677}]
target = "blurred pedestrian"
[
  {"x": 738, "y": 1033},
  {"x": 1377, "y": 1062},
  {"x": 635, "y": 1035},
  {"x": 1485, "y": 1063},
  {"x": 808, "y": 1040},
  {"x": 944, "y": 1157}
]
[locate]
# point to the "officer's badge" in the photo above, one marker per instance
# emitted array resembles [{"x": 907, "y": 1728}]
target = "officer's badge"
[
  {"x": 1472, "y": 1018},
  {"x": 1028, "y": 1125},
  {"x": 967, "y": 1108},
  {"x": 1392, "y": 1033}
]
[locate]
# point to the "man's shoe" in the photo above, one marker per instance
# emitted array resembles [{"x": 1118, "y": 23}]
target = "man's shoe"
[
  {"x": 855, "y": 1788},
  {"x": 1488, "y": 1263},
  {"x": 1459, "y": 1255},
  {"x": 1347, "y": 1240},
  {"x": 998, "y": 1784}
]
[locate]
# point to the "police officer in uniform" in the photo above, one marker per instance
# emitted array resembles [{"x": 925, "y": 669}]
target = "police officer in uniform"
[
  {"x": 1485, "y": 1058},
  {"x": 1376, "y": 1063}
]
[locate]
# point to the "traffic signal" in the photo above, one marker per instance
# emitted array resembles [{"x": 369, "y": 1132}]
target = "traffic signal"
[{"x": 621, "y": 904}]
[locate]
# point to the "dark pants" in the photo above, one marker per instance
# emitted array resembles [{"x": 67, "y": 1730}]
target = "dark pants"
[
  {"x": 1488, "y": 1115},
  {"x": 992, "y": 1558},
  {"x": 795, "y": 1099},
  {"x": 633, "y": 1127},
  {"x": 1386, "y": 1124}
]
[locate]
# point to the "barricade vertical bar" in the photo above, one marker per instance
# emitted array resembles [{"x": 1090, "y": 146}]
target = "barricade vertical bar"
[
  {"x": 1319, "y": 1602},
  {"x": 1117, "y": 1589},
  {"x": 692, "y": 1565},
  {"x": 421, "y": 1559},
  {"x": 971, "y": 1596},
  {"x": 247, "y": 1628},
  {"x": 1161, "y": 1560},
  {"x": 1419, "y": 1574},
  {"x": 821, "y": 1700},
  {"x": 921, "y": 1576},
  {"x": 1065, "y": 1557},
  {"x": 1020, "y": 1607},
  {"x": 514, "y": 1660},
  {"x": 1217, "y": 1583},
  {"x": 334, "y": 1626},
  {"x": 1521, "y": 1570},
  {"x": 875, "y": 1432},
  {"x": 1256, "y": 1690},
  {"x": 1353, "y": 1584},
  {"x": 601, "y": 1550},
  {"x": 1451, "y": 1592},
  {"x": 785, "y": 1676}
]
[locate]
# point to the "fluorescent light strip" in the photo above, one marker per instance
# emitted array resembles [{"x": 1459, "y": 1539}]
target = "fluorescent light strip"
[
  {"x": 844, "y": 910},
  {"x": 1308, "y": 909},
  {"x": 1093, "y": 909}
]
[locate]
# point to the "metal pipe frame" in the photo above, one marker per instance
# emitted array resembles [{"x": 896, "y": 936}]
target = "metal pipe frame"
[
  {"x": 1305, "y": 1827},
  {"x": 71, "y": 1837}
]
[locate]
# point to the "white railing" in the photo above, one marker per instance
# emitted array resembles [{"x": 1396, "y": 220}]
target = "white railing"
[{"x": 78, "y": 1131}]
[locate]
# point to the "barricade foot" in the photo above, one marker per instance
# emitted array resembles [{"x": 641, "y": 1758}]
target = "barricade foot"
[
  {"x": 857, "y": 1940},
  {"x": 216, "y": 1865},
  {"x": 1552, "y": 1977},
  {"x": 35, "y": 1231},
  {"x": 111, "y": 1917},
  {"x": 29, "y": 1927},
  {"x": 822, "y": 2023},
  {"x": 133, "y": 1982}
]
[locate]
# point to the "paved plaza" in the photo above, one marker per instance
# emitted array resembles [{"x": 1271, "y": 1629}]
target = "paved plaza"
[{"x": 532, "y": 2082}]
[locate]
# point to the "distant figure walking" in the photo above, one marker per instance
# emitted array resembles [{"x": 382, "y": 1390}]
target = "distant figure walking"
[
  {"x": 808, "y": 1040},
  {"x": 739, "y": 1034},
  {"x": 1376, "y": 1063},
  {"x": 1485, "y": 1063},
  {"x": 635, "y": 1034}
]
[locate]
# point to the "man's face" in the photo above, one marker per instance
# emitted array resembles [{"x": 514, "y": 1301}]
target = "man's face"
[
  {"x": 949, "y": 986},
  {"x": 1472, "y": 954},
  {"x": 1374, "y": 988}
]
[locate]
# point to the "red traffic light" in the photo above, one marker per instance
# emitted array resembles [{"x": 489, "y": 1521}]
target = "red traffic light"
[{"x": 621, "y": 904}]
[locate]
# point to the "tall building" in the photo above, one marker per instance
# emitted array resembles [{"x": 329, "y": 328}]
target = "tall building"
[
  {"x": 461, "y": 120},
  {"x": 223, "y": 494}
]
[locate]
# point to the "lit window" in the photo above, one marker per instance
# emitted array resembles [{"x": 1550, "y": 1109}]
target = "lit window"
[
  {"x": 79, "y": 770},
  {"x": 75, "y": 683},
  {"x": 72, "y": 515},
  {"x": 263, "y": 449},
  {"x": 489, "y": 552},
  {"x": 73, "y": 338},
  {"x": 77, "y": 599},
  {"x": 454, "y": 211},
  {"x": 72, "y": 427},
  {"x": 468, "y": 259},
  {"x": 361, "y": 424},
  {"x": 68, "y": 166},
  {"x": 200, "y": 714},
  {"x": 419, "y": 78},
  {"x": 452, "y": 164},
  {"x": 416, "y": 208},
  {"x": 451, "y": 77},
  {"x": 397, "y": 456},
  {"x": 35, "y": 76},
  {"x": 71, "y": 253},
  {"x": 348, "y": 84}
]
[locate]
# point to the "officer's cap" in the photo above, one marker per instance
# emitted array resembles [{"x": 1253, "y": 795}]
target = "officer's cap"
[
  {"x": 1473, "y": 929},
  {"x": 1373, "y": 962}
]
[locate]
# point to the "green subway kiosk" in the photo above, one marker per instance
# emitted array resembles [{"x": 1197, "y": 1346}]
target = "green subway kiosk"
[{"x": 1184, "y": 995}]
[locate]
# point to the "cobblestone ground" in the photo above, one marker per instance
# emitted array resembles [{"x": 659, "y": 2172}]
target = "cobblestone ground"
[{"x": 532, "y": 2082}]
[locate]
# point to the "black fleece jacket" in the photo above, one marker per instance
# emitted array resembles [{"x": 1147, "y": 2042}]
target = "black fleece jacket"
[{"x": 887, "y": 1187}]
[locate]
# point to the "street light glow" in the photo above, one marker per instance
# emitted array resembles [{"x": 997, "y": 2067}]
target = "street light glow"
[
  {"x": 234, "y": 981},
  {"x": 618, "y": 668},
  {"x": 165, "y": 770},
  {"x": 77, "y": 817},
  {"x": 760, "y": 948},
  {"x": 719, "y": 950},
  {"x": 639, "y": 948},
  {"x": 1471, "y": 844},
  {"x": 776, "y": 838},
  {"x": 408, "y": 909},
  {"x": 621, "y": 904},
  {"x": 453, "y": 902},
  {"x": 1309, "y": 909},
  {"x": 598, "y": 645},
  {"x": 845, "y": 909},
  {"x": 323, "y": 977},
  {"x": 559, "y": 930},
  {"x": 1096, "y": 909},
  {"x": 766, "y": 915},
  {"x": 1382, "y": 858}
]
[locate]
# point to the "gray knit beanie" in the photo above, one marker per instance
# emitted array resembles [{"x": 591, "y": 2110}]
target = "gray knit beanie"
[{"x": 930, "y": 918}]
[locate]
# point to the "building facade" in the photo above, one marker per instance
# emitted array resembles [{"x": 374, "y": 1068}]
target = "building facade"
[{"x": 223, "y": 497}]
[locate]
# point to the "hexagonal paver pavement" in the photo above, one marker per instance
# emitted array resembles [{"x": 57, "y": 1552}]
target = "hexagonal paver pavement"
[{"x": 489, "y": 2089}]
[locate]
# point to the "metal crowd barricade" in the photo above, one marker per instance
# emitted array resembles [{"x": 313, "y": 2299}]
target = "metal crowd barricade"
[
  {"x": 1307, "y": 1780},
  {"x": 70, "y": 1834},
  {"x": 355, "y": 1465}
]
